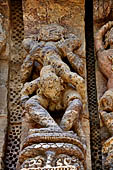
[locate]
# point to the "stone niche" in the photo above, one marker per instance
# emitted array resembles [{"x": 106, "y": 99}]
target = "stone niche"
[{"x": 55, "y": 128}]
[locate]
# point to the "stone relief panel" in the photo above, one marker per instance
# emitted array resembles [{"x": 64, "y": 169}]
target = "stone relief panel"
[
  {"x": 52, "y": 88},
  {"x": 55, "y": 122},
  {"x": 57, "y": 88},
  {"x": 104, "y": 51},
  {"x": 53, "y": 96}
]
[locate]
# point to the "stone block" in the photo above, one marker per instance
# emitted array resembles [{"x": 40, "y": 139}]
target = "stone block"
[
  {"x": 1, "y": 164},
  {"x": 3, "y": 101},
  {"x": 5, "y": 53},
  {"x": 4, "y": 30},
  {"x": 3, "y": 130},
  {"x": 3, "y": 72}
]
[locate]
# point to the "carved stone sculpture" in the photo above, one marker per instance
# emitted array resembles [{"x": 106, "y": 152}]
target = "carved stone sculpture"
[
  {"x": 53, "y": 144},
  {"x": 104, "y": 50},
  {"x": 102, "y": 9},
  {"x": 52, "y": 46}
]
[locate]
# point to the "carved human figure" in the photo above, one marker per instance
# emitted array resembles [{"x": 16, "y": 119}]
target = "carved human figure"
[
  {"x": 53, "y": 45},
  {"x": 57, "y": 88},
  {"x": 104, "y": 52}
]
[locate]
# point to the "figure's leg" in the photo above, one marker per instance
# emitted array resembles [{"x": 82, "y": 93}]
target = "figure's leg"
[
  {"x": 71, "y": 114},
  {"x": 40, "y": 114},
  {"x": 71, "y": 118}
]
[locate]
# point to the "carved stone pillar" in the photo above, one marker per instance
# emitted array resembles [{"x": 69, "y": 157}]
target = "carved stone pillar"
[
  {"x": 55, "y": 130},
  {"x": 4, "y": 71}
]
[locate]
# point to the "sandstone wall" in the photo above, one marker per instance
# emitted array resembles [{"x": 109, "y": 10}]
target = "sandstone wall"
[
  {"x": 4, "y": 67},
  {"x": 69, "y": 14}
]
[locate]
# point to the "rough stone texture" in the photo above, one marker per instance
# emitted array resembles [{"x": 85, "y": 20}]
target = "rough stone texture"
[
  {"x": 44, "y": 12},
  {"x": 102, "y": 9},
  {"x": 3, "y": 130},
  {"x": 70, "y": 15},
  {"x": 103, "y": 47},
  {"x": 14, "y": 85},
  {"x": 3, "y": 86},
  {"x": 4, "y": 57}
]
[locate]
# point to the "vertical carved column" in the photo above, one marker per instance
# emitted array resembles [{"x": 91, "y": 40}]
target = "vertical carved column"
[
  {"x": 54, "y": 92},
  {"x": 14, "y": 85},
  {"x": 4, "y": 68}
]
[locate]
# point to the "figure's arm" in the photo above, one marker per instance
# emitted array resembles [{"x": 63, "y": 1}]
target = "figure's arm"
[
  {"x": 106, "y": 109},
  {"x": 26, "y": 68},
  {"x": 99, "y": 45},
  {"x": 63, "y": 71},
  {"x": 71, "y": 118},
  {"x": 76, "y": 62},
  {"x": 34, "y": 55},
  {"x": 70, "y": 43},
  {"x": 28, "y": 89},
  {"x": 77, "y": 81}
]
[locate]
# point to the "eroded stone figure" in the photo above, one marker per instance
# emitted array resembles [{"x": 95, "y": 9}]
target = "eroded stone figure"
[
  {"x": 52, "y": 46},
  {"x": 53, "y": 89},
  {"x": 102, "y": 9},
  {"x": 53, "y": 94},
  {"x": 56, "y": 88},
  {"x": 104, "y": 50}
]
